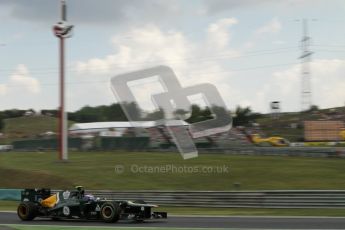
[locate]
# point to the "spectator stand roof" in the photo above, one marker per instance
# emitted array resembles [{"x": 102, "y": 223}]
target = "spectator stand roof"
[{"x": 105, "y": 126}]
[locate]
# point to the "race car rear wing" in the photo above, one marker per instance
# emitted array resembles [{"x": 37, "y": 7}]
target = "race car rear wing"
[{"x": 35, "y": 195}]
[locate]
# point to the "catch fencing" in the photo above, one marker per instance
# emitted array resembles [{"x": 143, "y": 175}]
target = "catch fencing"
[
  {"x": 235, "y": 199},
  {"x": 221, "y": 199}
]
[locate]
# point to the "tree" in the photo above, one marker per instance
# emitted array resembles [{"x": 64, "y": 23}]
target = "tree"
[
  {"x": 112, "y": 112},
  {"x": 313, "y": 108},
  {"x": 243, "y": 116},
  {"x": 13, "y": 113},
  {"x": 199, "y": 114},
  {"x": 181, "y": 114},
  {"x": 155, "y": 115},
  {"x": 133, "y": 109},
  {"x": 2, "y": 124}
]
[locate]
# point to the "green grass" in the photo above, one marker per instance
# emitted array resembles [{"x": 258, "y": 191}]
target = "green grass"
[
  {"x": 12, "y": 206},
  {"x": 28, "y": 127},
  {"x": 253, "y": 211},
  {"x": 95, "y": 170},
  {"x": 8, "y": 205}
]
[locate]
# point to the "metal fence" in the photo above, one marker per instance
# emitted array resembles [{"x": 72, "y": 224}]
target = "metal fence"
[
  {"x": 338, "y": 152},
  {"x": 236, "y": 199},
  {"x": 221, "y": 199}
]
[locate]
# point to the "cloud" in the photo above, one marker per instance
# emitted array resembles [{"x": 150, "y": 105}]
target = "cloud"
[
  {"x": 218, "y": 32},
  {"x": 279, "y": 42},
  {"x": 21, "y": 90},
  {"x": 22, "y": 79},
  {"x": 149, "y": 46},
  {"x": 271, "y": 27},
  {"x": 218, "y": 6},
  {"x": 88, "y": 12},
  {"x": 3, "y": 89},
  {"x": 327, "y": 80},
  {"x": 195, "y": 62},
  {"x": 118, "y": 12}
]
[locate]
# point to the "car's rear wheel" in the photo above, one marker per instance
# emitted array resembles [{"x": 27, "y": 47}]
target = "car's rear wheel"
[
  {"x": 110, "y": 212},
  {"x": 27, "y": 211}
]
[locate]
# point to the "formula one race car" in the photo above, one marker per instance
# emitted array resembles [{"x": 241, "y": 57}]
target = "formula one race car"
[{"x": 77, "y": 205}]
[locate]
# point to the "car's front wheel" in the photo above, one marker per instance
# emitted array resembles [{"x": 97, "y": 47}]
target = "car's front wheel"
[{"x": 110, "y": 212}]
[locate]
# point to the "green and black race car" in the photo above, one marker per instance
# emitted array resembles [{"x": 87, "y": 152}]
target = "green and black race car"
[{"x": 76, "y": 205}]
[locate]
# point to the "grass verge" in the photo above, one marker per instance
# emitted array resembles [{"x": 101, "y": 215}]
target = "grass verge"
[
  {"x": 12, "y": 206},
  {"x": 150, "y": 171}
]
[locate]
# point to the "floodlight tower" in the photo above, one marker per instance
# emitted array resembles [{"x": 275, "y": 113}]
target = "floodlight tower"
[
  {"x": 306, "y": 95},
  {"x": 62, "y": 30}
]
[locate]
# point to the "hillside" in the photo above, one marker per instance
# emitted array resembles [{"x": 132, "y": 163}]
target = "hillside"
[
  {"x": 28, "y": 127},
  {"x": 120, "y": 171},
  {"x": 290, "y": 125},
  {"x": 287, "y": 125}
]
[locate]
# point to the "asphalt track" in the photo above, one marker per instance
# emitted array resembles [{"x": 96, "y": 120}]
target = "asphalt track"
[{"x": 200, "y": 222}]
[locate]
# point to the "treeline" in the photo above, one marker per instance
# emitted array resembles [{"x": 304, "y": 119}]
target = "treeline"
[{"x": 241, "y": 116}]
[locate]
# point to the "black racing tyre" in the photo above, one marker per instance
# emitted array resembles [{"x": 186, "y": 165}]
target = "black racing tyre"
[
  {"x": 110, "y": 212},
  {"x": 139, "y": 202},
  {"x": 27, "y": 211}
]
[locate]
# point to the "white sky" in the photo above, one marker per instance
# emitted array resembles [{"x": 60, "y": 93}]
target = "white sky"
[{"x": 247, "y": 48}]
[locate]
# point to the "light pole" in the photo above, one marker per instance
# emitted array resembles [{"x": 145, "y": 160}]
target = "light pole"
[{"x": 62, "y": 30}]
